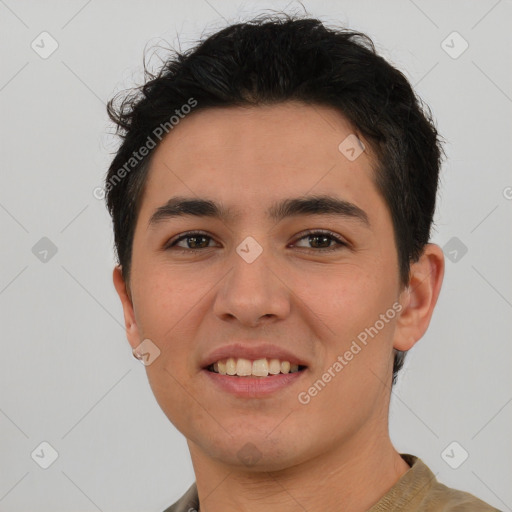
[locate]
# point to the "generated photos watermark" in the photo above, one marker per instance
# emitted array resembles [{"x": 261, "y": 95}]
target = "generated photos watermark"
[
  {"x": 341, "y": 361},
  {"x": 152, "y": 140}
]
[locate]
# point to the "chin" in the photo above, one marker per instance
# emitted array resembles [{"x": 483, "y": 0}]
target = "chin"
[{"x": 256, "y": 452}]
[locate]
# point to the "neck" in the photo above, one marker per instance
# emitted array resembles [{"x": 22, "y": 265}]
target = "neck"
[{"x": 352, "y": 478}]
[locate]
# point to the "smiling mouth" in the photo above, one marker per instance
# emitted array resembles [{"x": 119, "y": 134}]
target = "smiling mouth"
[{"x": 240, "y": 367}]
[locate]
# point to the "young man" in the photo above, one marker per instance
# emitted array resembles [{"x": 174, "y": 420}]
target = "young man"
[{"x": 272, "y": 202}]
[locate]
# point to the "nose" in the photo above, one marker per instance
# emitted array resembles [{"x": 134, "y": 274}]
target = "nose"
[{"x": 253, "y": 292}]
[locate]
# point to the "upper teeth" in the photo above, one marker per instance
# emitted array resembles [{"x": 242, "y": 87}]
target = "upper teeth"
[{"x": 259, "y": 367}]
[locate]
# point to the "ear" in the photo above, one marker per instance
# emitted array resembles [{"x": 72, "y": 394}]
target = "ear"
[
  {"x": 419, "y": 298},
  {"x": 132, "y": 331}
]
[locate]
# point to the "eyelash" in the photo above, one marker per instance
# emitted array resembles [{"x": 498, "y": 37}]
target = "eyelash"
[{"x": 341, "y": 243}]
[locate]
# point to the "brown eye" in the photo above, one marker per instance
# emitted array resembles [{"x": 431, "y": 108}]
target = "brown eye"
[
  {"x": 321, "y": 241},
  {"x": 194, "y": 240}
]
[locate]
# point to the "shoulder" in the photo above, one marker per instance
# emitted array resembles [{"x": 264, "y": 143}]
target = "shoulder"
[
  {"x": 189, "y": 502},
  {"x": 443, "y": 498},
  {"x": 418, "y": 490}
]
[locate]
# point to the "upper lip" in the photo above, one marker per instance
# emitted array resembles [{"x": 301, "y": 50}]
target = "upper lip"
[{"x": 251, "y": 351}]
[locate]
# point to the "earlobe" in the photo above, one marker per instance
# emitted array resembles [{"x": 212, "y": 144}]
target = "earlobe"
[
  {"x": 130, "y": 322},
  {"x": 420, "y": 297}
]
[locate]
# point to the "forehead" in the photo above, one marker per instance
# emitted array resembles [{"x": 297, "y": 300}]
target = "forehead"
[{"x": 247, "y": 157}]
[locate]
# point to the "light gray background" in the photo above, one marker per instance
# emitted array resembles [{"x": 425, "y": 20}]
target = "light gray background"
[{"x": 67, "y": 374}]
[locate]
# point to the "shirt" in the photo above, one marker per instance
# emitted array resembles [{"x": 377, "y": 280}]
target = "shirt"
[{"x": 417, "y": 490}]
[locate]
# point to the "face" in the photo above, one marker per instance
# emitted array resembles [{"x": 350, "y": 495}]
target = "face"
[{"x": 318, "y": 287}]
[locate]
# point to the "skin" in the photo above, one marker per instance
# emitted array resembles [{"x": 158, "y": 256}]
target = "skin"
[{"x": 335, "y": 451}]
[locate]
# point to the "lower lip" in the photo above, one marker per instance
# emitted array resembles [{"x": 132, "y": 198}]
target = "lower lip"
[{"x": 253, "y": 387}]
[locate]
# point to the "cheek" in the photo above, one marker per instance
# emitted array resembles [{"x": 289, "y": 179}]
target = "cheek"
[
  {"x": 169, "y": 309},
  {"x": 167, "y": 306},
  {"x": 165, "y": 294},
  {"x": 350, "y": 303},
  {"x": 345, "y": 299}
]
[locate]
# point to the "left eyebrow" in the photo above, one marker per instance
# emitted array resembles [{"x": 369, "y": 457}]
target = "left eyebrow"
[{"x": 300, "y": 206}]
